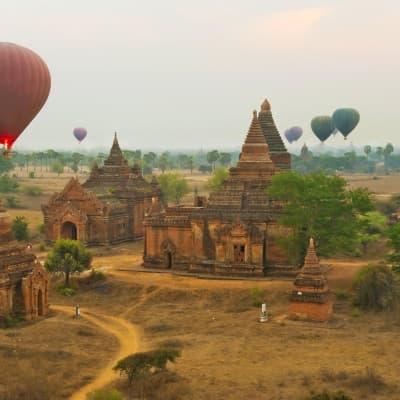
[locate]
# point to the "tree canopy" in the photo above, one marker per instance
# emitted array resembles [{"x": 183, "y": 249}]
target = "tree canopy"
[
  {"x": 174, "y": 187},
  {"x": 215, "y": 181},
  {"x": 319, "y": 206},
  {"x": 68, "y": 256}
]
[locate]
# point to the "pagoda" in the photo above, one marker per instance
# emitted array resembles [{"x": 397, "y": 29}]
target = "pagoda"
[{"x": 310, "y": 298}]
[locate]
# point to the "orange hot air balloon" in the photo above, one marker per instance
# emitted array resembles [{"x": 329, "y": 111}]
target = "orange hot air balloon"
[{"x": 24, "y": 87}]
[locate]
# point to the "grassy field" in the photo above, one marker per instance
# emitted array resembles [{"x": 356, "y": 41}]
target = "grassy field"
[{"x": 226, "y": 352}]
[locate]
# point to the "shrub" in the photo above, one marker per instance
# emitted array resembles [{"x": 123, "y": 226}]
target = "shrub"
[
  {"x": 10, "y": 321},
  {"x": 105, "y": 394},
  {"x": 40, "y": 227},
  {"x": 7, "y": 184},
  {"x": 342, "y": 294},
  {"x": 67, "y": 291},
  {"x": 256, "y": 295},
  {"x": 42, "y": 247},
  {"x": 325, "y": 395},
  {"x": 376, "y": 288},
  {"x": 31, "y": 174},
  {"x": 19, "y": 228},
  {"x": 33, "y": 191},
  {"x": 12, "y": 202}
]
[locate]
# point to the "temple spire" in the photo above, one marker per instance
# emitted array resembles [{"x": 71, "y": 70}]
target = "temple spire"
[
  {"x": 115, "y": 157},
  {"x": 311, "y": 261}
]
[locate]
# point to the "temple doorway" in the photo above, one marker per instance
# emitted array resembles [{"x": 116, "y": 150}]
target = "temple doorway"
[
  {"x": 69, "y": 231},
  {"x": 40, "y": 302},
  {"x": 168, "y": 259},
  {"x": 238, "y": 253}
]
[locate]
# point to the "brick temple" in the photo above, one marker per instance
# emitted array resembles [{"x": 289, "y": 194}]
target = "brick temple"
[
  {"x": 24, "y": 284},
  {"x": 310, "y": 298},
  {"x": 107, "y": 209},
  {"x": 235, "y": 231}
]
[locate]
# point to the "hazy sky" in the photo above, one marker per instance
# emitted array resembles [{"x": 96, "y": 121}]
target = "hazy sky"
[{"x": 187, "y": 74}]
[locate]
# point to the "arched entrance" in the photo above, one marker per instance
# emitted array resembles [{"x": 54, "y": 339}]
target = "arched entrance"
[
  {"x": 168, "y": 249},
  {"x": 168, "y": 259},
  {"x": 40, "y": 302},
  {"x": 69, "y": 231}
]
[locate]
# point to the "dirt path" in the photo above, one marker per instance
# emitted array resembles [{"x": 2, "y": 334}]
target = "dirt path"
[{"x": 125, "y": 332}]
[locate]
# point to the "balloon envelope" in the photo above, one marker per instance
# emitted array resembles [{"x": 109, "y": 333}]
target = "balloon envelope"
[
  {"x": 80, "y": 133},
  {"x": 322, "y": 126},
  {"x": 294, "y": 133},
  {"x": 24, "y": 87},
  {"x": 345, "y": 120}
]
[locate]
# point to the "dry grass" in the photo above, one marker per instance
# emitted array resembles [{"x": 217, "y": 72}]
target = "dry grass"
[{"x": 51, "y": 358}]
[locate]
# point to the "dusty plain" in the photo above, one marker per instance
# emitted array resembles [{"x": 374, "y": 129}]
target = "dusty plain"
[{"x": 226, "y": 352}]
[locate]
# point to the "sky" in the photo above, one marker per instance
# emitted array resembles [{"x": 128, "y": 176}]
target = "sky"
[{"x": 186, "y": 74}]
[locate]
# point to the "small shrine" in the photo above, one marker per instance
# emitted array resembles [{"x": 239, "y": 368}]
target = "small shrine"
[{"x": 310, "y": 299}]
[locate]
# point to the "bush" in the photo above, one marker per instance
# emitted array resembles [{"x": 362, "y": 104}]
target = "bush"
[
  {"x": 342, "y": 294},
  {"x": 67, "y": 291},
  {"x": 33, "y": 191},
  {"x": 10, "y": 321},
  {"x": 328, "y": 396},
  {"x": 31, "y": 175},
  {"x": 40, "y": 227},
  {"x": 256, "y": 295},
  {"x": 7, "y": 184},
  {"x": 12, "y": 202},
  {"x": 42, "y": 247},
  {"x": 376, "y": 288},
  {"x": 105, "y": 394},
  {"x": 19, "y": 228}
]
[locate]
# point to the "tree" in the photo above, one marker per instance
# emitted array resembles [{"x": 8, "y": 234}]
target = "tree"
[
  {"x": 215, "y": 181},
  {"x": 318, "y": 206},
  {"x": 379, "y": 152},
  {"x": 138, "y": 365},
  {"x": 174, "y": 187},
  {"x": 367, "y": 150},
  {"x": 372, "y": 225},
  {"x": 225, "y": 159},
  {"x": 68, "y": 256},
  {"x": 6, "y": 164},
  {"x": 7, "y": 184},
  {"x": 163, "y": 161},
  {"x": 19, "y": 227},
  {"x": 393, "y": 243},
  {"x": 377, "y": 288},
  {"x": 387, "y": 151},
  {"x": 212, "y": 157},
  {"x": 57, "y": 166}
]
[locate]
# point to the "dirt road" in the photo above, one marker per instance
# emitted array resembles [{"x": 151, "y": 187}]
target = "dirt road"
[{"x": 127, "y": 335}]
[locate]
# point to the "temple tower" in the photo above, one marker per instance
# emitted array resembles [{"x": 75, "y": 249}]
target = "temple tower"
[
  {"x": 277, "y": 150},
  {"x": 310, "y": 297}
]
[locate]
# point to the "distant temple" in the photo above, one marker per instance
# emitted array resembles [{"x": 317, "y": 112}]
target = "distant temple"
[
  {"x": 235, "y": 231},
  {"x": 24, "y": 284},
  {"x": 107, "y": 209},
  {"x": 310, "y": 298}
]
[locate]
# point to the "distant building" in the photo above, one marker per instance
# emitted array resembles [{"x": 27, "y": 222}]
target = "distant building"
[
  {"x": 235, "y": 231},
  {"x": 310, "y": 297},
  {"x": 107, "y": 209},
  {"x": 24, "y": 284}
]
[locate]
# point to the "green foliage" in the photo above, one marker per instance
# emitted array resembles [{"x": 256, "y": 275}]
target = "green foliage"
[
  {"x": 139, "y": 365},
  {"x": 325, "y": 395},
  {"x": 377, "y": 288},
  {"x": 372, "y": 226},
  {"x": 12, "y": 202},
  {"x": 57, "y": 166},
  {"x": 6, "y": 164},
  {"x": 42, "y": 247},
  {"x": 67, "y": 291},
  {"x": 31, "y": 175},
  {"x": 256, "y": 295},
  {"x": 40, "y": 228},
  {"x": 318, "y": 206},
  {"x": 68, "y": 256},
  {"x": 174, "y": 187},
  {"x": 342, "y": 294},
  {"x": 205, "y": 168},
  {"x": 33, "y": 191},
  {"x": 19, "y": 227},
  {"x": 105, "y": 394},
  {"x": 8, "y": 184},
  {"x": 215, "y": 181},
  {"x": 393, "y": 243},
  {"x": 11, "y": 321}
]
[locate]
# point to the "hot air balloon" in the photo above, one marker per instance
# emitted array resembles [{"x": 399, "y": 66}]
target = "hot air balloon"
[
  {"x": 294, "y": 133},
  {"x": 80, "y": 133},
  {"x": 322, "y": 127},
  {"x": 345, "y": 120},
  {"x": 24, "y": 87}
]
